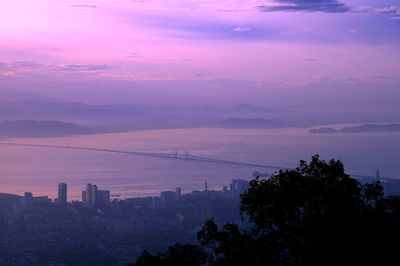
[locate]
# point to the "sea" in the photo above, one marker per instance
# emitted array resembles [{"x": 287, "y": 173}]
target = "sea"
[{"x": 39, "y": 170}]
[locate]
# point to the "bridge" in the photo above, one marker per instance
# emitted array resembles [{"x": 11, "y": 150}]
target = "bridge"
[{"x": 175, "y": 155}]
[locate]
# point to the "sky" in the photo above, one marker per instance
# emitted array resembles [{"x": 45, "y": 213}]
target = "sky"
[{"x": 100, "y": 51}]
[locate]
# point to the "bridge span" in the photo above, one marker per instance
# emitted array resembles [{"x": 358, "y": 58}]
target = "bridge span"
[{"x": 174, "y": 156}]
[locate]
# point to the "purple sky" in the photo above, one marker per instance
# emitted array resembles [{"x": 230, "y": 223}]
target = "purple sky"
[{"x": 66, "y": 50}]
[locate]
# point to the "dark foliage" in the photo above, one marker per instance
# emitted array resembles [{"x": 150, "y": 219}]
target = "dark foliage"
[
  {"x": 318, "y": 215},
  {"x": 178, "y": 255},
  {"x": 229, "y": 246},
  {"x": 314, "y": 215}
]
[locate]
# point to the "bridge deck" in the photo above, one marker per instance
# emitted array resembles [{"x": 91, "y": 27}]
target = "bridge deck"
[{"x": 175, "y": 156}]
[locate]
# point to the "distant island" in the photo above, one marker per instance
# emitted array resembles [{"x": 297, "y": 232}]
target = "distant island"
[
  {"x": 38, "y": 129},
  {"x": 366, "y": 128},
  {"x": 249, "y": 123}
]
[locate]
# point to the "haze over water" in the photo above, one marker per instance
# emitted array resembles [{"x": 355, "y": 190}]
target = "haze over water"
[
  {"x": 121, "y": 65},
  {"x": 40, "y": 169}
]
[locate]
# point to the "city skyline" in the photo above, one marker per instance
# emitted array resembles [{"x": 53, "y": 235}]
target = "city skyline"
[
  {"x": 116, "y": 230},
  {"x": 92, "y": 197}
]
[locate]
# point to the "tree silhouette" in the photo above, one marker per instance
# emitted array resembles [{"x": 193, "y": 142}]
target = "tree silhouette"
[
  {"x": 318, "y": 215},
  {"x": 179, "y": 255}
]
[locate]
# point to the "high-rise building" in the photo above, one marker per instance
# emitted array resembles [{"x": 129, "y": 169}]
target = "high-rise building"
[
  {"x": 88, "y": 195},
  {"x": 106, "y": 196},
  {"x": 102, "y": 197},
  {"x": 83, "y": 196},
  {"x": 62, "y": 194},
  {"x": 94, "y": 197},
  {"x": 28, "y": 197}
]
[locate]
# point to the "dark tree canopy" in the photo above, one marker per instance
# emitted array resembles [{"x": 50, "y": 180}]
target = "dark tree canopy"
[
  {"x": 314, "y": 215},
  {"x": 318, "y": 215},
  {"x": 179, "y": 255}
]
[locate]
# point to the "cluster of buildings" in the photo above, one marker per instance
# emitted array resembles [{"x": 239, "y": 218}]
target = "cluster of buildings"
[
  {"x": 166, "y": 197},
  {"x": 94, "y": 198},
  {"x": 91, "y": 198},
  {"x": 119, "y": 228},
  {"x": 203, "y": 208}
]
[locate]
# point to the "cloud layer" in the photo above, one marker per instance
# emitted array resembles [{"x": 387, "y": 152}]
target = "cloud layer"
[
  {"x": 328, "y": 6},
  {"x": 259, "y": 40}
]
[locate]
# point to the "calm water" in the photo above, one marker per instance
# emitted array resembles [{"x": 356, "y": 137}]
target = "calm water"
[{"x": 39, "y": 169}]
